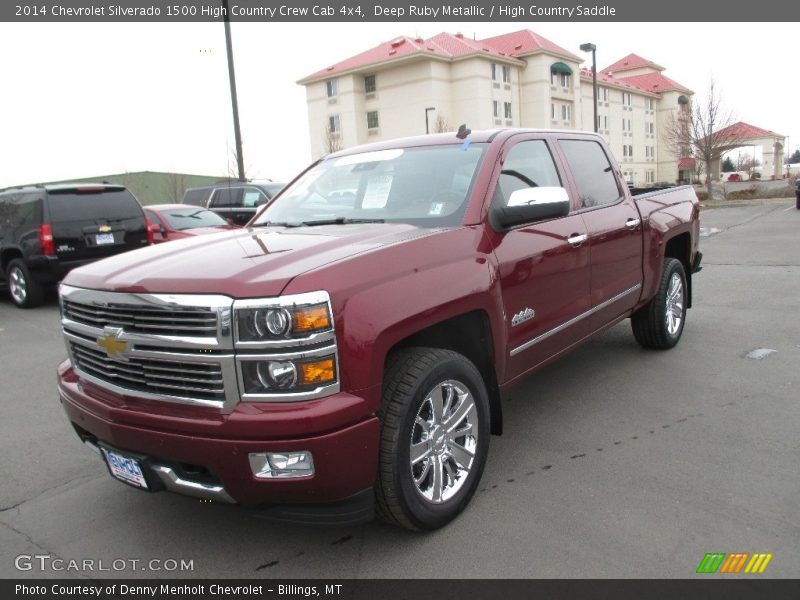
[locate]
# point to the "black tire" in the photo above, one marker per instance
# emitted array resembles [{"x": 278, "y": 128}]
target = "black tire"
[
  {"x": 411, "y": 378},
  {"x": 651, "y": 324},
  {"x": 24, "y": 291}
]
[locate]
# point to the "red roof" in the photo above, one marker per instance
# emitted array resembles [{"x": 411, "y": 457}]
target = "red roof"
[
  {"x": 443, "y": 45},
  {"x": 632, "y": 61},
  {"x": 525, "y": 41},
  {"x": 606, "y": 78},
  {"x": 686, "y": 164},
  {"x": 745, "y": 131},
  {"x": 656, "y": 82}
]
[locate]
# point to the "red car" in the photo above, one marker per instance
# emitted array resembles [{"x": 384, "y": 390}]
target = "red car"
[{"x": 177, "y": 221}]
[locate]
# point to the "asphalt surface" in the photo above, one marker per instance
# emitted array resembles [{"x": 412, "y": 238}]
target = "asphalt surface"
[{"x": 616, "y": 462}]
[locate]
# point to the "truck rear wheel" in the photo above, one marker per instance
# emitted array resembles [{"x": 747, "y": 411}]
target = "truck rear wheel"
[
  {"x": 659, "y": 324},
  {"x": 434, "y": 437},
  {"x": 25, "y": 292}
]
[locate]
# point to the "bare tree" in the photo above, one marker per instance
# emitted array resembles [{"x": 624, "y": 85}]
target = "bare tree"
[
  {"x": 332, "y": 140},
  {"x": 703, "y": 130},
  {"x": 173, "y": 187},
  {"x": 440, "y": 125}
]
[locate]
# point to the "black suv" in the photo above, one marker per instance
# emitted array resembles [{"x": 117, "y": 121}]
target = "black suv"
[
  {"x": 47, "y": 230},
  {"x": 236, "y": 201}
]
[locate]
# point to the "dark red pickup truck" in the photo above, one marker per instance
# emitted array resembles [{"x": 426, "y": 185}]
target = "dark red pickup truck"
[{"x": 345, "y": 353}]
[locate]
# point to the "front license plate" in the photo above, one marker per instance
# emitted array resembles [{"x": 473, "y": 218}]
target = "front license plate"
[
  {"x": 124, "y": 468},
  {"x": 104, "y": 238}
]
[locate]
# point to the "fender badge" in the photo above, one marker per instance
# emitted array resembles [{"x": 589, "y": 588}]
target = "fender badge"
[{"x": 522, "y": 316}]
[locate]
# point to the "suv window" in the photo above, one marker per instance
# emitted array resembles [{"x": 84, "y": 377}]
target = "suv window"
[
  {"x": 227, "y": 196},
  {"x": 253, "y": 197},
  {"x": 592, "y": 172},
  {"x": 73, "y": 205}
]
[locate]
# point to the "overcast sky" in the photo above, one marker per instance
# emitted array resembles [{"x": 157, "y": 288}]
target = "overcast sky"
[{"x": 81, "y": 100}]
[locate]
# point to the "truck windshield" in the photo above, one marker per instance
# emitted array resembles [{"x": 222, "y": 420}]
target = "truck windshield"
[{"x": 425, "y": 186}]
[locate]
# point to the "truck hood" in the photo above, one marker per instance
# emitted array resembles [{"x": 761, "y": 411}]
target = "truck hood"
[{"x": 251, "y": 262}]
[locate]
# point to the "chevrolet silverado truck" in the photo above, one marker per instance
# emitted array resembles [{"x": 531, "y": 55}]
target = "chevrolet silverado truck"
[{"x": 344, "y": 355}]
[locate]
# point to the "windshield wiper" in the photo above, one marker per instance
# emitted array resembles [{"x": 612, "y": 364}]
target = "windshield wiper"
[
  {"x": 275, "y": 224},
  {"x": 340, "y": 221}
]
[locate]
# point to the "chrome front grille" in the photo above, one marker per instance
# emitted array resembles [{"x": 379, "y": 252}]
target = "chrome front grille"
[
  {"x": 167, "y": 347},
  {"x": 170, "y": 377},
  {"x": 188, "y": 321}
]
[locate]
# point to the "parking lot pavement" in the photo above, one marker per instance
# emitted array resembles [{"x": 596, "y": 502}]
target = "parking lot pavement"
[{"x": 616, "y": 462}]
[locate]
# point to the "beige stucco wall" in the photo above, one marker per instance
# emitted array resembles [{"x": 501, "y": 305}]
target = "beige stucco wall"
[{"x": 462, "y": 91}]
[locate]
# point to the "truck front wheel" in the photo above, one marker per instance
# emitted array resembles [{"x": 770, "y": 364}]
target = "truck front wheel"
[
  {"x": 659, "y": 324},
  {"x": 434, "y": 437}
]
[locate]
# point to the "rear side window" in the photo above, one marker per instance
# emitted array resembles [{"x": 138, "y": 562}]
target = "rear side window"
[
  {"x": 226, "y": 197},
  {"x": 253, "y": 198},
  {"x": 107, "y": 205},
  {"x": 592, "y": 172},
  {"x": 196, "y": 196}
]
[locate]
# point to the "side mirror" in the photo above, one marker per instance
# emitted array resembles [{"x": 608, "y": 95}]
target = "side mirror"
[
  {"x": 157, "y": 228},
  {"x": 530, "y": 205}
]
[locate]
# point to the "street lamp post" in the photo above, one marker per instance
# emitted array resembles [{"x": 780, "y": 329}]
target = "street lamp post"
[
  {"x": 234, "y": 100},
  {"x": 427, "y": 110},
  {"x": 588, "y": 47}
]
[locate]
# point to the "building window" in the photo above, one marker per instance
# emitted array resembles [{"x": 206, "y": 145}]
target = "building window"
[
  {"x": 333, "y": 124},
  {"x": 506, "y": 74},
  {"x": 565, "y": 112},
  {"x": 369, "y": 84},
  {"x": 553, "y": 112},
  {"x": 650, "y": 176},
  {"x": 494, "y": 72},
  {"x": 650, "y": 128},
  {"x": 565, "y": 80},
  {"x": 605, "y": 121},
  {"x": 332, "y": 87},
  {"x": 627, "y": 151},
  {"x": 553, "y": 77},
  {"x": 495, "y": 108},
  {"x": 647, "y": 151},
  {"x": 602, "y": 94},
  {"x": 372, "y": 119},
  {"x": 507, "y": 109},
  {"x": 630, "y": 151},
  {"x": 627, "y": 98},
  {"x": 650, "y": 103},
  {"x": 626, "y": 125}
]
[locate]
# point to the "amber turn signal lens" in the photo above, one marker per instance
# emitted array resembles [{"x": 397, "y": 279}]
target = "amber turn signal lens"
[
  {"x": 311, "y": 318},
  {"x": 321, "y": 371}
]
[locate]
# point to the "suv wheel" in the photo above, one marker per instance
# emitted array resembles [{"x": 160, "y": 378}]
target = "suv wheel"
[
  {"x": 434, "y": 437},
  {"x": 24, "y": 291}
]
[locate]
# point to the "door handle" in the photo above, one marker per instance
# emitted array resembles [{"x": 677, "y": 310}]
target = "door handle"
[
  {"x": 576, "y": 239},
  {"x": 632, "y": 223}
]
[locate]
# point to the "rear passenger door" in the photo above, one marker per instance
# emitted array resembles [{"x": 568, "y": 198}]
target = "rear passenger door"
[
  {"x": 543, "y": 267},
  {"x": 614, "y": 228}
]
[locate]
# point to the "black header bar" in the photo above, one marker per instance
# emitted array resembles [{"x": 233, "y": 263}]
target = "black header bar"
[{"x": 526, "y": 13}]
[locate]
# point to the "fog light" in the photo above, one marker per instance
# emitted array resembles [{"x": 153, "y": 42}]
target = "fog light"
[{"x": 268, "y": 465}]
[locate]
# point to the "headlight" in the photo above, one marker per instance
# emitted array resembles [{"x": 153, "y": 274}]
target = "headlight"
[
  {"x": 270, "y": 376},
  {"x": 283, "y": 318},
  {"x": 286, "y": 348}
]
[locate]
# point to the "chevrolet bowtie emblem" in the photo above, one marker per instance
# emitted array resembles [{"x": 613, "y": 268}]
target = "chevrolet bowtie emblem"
[
  {"x": 112, "y": 345},
  {"x": 104, "y": 229}
]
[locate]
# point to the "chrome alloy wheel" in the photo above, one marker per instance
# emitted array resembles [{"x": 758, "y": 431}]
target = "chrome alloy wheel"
[
  {"x": 18, "y": 285},
  {"x": 444, "y": 439},
  {"x": 674, "y": 300}
]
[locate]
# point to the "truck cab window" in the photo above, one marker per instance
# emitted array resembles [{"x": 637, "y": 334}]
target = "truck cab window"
[
  {"x": 592, "y": 172},
  {"x": 528, "y": 164}
]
